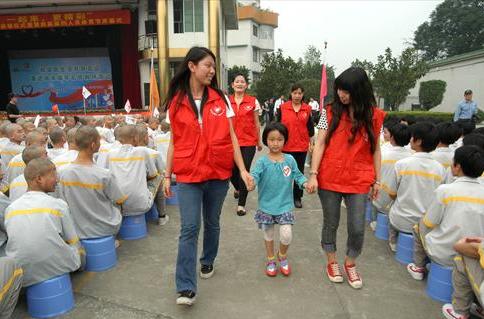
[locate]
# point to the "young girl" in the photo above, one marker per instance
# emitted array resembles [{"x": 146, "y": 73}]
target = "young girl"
[{"x": 274, "y": 175}]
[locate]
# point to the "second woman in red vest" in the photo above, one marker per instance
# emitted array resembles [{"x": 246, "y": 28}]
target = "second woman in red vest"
[
  {"x": 202, "y": 150},
  {"x": 296, "y": 116},
  {"x": 247, "y": 128}
]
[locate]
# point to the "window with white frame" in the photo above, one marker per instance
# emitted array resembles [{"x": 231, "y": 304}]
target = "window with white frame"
[{"x": 187, "y": 16}]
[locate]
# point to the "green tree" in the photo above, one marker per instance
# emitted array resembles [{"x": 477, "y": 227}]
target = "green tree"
[
  {"x": 455, "y": 27},
  {"x": 234, "y": 71},
  {"x": 431, "y": 93},
  {"x": 393, "y": 77},
  {"x": 277, "y": 76}
]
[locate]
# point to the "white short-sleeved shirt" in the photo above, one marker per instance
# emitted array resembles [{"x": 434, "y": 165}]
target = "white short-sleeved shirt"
[
  {"x": 55, "y": 152},
  {"x": 15, "y": 167},
  {"x": 456, "y": 211},
  {"x": 230, "y": 112},
  {"x": 390, "y": 156},
  {"x": 18, "y": 187},
  {"x": 4, "y": 202},
  {"x": 157, "y": 159},
  {"x": 162, "y": 141},
  {"x": 92, "y": 194},
  {"x": 413, "y": 180},
  {"x": 42, "y": 237},
  {"x": 457, "y": 144},
  {"x": 131, "y": 167},
  {"x": 443, "y": 155},
  {"x": 101, "y": 156},
  {"x": 66, "y": 158},
  {"x": 3, "y": 142},
  {"x": 7, "y": 153}
]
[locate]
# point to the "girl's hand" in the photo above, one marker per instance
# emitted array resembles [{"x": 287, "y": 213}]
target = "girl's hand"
[
  {"x": 375, "y": 190},
  {"x": 307, "y": 188},
  {"x": 248, "y": 180},
  {"x": 167, "y": 187},
  {"x": 312, "y": 184}
]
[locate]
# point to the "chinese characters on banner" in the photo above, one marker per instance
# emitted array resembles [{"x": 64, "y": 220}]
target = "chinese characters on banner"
[{"x": 64, "y": 19}]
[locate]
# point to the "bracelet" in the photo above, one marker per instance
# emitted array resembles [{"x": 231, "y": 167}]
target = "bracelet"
[
  {"x": 377, "y": 183},
  {"x": 313, "y": 173}
]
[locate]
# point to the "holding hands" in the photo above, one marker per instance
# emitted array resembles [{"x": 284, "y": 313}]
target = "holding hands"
[{"x": 248, "y": 180}]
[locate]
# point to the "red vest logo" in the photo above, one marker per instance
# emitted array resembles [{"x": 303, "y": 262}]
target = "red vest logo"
[
  {"x": 304, "y": 115},
  {"x": 248, "y": 107},
  {"x": 216, "y": 110},
  {"x": 286, "y": 171}
]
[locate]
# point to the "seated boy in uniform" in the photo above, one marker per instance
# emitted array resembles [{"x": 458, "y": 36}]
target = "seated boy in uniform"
[
  {"x": 58, "y": 139},
  {"x": 92, "y": 192},
  {"x": 132, "y": 168},
  {"x": 414, "y": 179},
  {"x": 11, "y": 275},
  {"x": 41, "y": 234},
  {"x": 456, "y": 210},
  {"x": 18, "y": 186}
]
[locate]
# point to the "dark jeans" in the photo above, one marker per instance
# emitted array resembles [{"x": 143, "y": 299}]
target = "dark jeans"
[
  {"x": 300, "y": 158},
  {"x": 355, "y": 207},
  {"x": 248, "y": 153},
  {"x": 197, "y": 200}
]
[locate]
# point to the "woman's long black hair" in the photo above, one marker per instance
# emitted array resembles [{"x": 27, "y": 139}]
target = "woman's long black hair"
[
  {"x": 356, "y": 82},
  {"x": 180, "y": 83}
]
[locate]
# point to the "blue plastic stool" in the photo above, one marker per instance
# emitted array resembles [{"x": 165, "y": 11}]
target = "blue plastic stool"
[
  {"x": 368, "y": 210},
  {"x": 381, "y": 231},
  {"x": 133, "y": 227},
  {"x": 152, "y": 214},
  {"x": 100, "y": 253},
  {"x": 173, "y": 200},
  {"x": 404, "y": 253},
  {"x": 50, "y": 298},
  {"x": 439, "y": 283}
]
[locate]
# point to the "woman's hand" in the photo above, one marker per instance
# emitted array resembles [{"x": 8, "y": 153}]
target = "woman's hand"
[
  {"x": 260, "y": 146},
  {"x": 167, "y": 188},
  {"x": 375, "y": 190},
  {"x": 248, "y": 180},
  {"x": 312, "y": 184}
]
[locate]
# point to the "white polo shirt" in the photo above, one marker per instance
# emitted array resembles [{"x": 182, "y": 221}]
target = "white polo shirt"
[
  {"x": 414, "y": 180},
  {"x": 456, "y": 211}
]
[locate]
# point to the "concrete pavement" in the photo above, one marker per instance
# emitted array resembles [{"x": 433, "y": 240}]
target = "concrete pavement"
[{"x": 142, "y": 284}]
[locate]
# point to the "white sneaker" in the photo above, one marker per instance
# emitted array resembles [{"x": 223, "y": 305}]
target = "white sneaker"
[
  {"x": 449, "y": 312},
  {"x": 393, "y": 246},
  {"x": 163, "y": 220},
  {"x": 186, "y": 298},
  {"x": 416, "y": 272},
  {"x": 373, "y": 225}
]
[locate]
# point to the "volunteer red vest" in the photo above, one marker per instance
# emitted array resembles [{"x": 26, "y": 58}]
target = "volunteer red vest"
[
  {"x": 201, "y": 152},
  {"x": 244, "y": 122},
  {"x": 348, "y": 167},
  {"x": 296, "y": 123}
]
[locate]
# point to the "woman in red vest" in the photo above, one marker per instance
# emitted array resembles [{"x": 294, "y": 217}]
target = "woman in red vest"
[
  {"x": 247, "y": 127},
  {"x": 346, "y": 165},
  {"x": 202, "y": 150},
  {"x": 296, "y": 116}
]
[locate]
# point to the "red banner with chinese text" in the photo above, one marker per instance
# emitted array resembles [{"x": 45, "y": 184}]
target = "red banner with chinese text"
[{"x": 64, "y": 19}]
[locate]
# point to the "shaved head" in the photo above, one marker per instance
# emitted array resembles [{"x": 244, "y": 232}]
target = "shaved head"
[
  {"x": 35, "y": 138},
  {"x": 85, "y": 136},
  {"x": 38, "y": 167},
  {"x": 33, "y": 152}
]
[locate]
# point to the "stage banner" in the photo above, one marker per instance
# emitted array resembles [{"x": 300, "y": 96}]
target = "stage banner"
[
  {"x": 40, "y": 83},
  {"x": 64, "y": 19}
]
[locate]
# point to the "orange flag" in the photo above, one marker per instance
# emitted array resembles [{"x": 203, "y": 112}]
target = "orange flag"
[{"x": 154, "y": 93}]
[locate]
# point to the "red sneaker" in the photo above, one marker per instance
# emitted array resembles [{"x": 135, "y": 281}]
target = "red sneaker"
[
  {"x": 333, "y": 272},
  {"x": 354, "y": 278},
  {"x": 284, "y": 266},
  {"x": 271, "y": 268},
  {"x": 449, "y": 312}
]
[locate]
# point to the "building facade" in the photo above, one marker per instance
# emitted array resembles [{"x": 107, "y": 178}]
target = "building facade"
[
  {"x": 253, "y": 38},
  {"x": 461, "y": 72},
  {"x": 172, "y": 27},
  {"x": 52, "y": 49}
]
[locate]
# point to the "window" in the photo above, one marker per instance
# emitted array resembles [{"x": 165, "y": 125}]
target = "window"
[
  {"x": 188, "y": 16},
  {"x": 255, "y": 30},
  {"x": 255, "y": 54}
]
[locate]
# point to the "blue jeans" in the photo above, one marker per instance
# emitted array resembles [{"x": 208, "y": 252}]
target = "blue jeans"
[{"x": 197, "y": 200}]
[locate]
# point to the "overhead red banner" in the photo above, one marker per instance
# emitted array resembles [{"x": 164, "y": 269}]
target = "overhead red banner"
[{"x": 64, "y": 19}]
